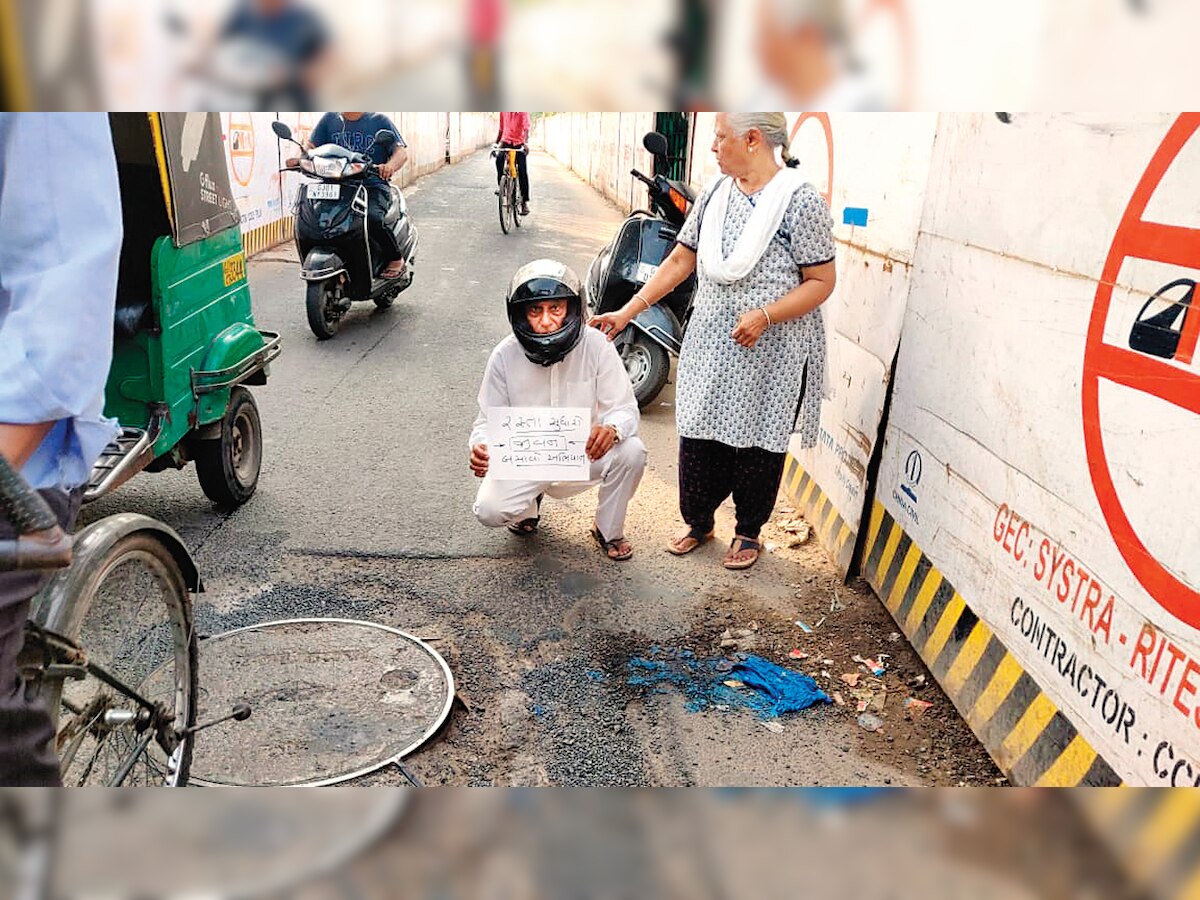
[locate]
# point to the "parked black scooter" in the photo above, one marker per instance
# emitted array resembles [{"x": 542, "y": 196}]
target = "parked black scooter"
[
  {"x": 342, "y": 260},
  {"x": 634, "y": 255}
]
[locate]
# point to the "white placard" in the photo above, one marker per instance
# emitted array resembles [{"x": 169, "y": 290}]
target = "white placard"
[{"x": 539, "y": 443}]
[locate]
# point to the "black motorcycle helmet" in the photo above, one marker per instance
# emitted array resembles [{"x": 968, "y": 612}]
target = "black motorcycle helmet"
[{"x": 545, "y": 279}]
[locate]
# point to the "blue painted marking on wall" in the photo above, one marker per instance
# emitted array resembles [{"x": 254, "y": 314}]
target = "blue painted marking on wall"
[{"x": 854, "y": 215}]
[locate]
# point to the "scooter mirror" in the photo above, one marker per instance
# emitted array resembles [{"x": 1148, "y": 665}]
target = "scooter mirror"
[
  {"x": 281, "y": 131},
  {"x": 385, "y": 138},
  {"x": 655, "y": 143}
]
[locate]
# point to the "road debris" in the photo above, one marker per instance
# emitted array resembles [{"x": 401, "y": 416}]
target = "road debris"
[
  {"x": 870, "y": 722},
  {"x": 875, "y": 667},
  {"x": 916, "y": 707}
]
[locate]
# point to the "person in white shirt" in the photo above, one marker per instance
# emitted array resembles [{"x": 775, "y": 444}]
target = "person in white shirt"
[{"x": 551, "y": 359}]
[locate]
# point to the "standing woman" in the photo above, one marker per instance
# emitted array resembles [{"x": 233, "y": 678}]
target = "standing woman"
[{"x": 753, "y": 360}]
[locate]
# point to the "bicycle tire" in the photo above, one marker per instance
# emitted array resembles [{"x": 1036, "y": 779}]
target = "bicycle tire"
[
  {"x": 505, "y": 199},
  {"x": 122, "y": 652}
]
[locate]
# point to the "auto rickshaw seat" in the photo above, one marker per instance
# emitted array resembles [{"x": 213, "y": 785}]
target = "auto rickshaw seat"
[{"x": 144, "y": 217}]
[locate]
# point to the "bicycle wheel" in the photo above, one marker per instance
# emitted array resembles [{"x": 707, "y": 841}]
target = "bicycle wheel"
[
  {"x": 506, "y": 208},
  {"x": 515, "y": 202},
  {"x": 133, "y": 619}
]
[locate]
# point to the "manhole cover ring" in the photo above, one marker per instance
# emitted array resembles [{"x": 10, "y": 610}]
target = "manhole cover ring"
[{"x": 430, "y": 730}]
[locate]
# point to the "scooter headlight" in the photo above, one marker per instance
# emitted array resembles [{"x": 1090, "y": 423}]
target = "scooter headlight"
[{"x": 328, "y": 168}]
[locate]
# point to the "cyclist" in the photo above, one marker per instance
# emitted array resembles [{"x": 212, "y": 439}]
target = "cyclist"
[
  {"x": 58, "y": 286},
  {"x": 514, "y": 133}
]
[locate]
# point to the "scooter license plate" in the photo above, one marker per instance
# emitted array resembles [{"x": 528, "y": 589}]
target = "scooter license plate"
[
  {"x": 645, "y": 271},
  {"x": 324, "y": 191}
]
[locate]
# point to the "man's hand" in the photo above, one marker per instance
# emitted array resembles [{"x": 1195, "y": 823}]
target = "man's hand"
[
  {"x": 17, "y": 442},
  {"x": 387, "y": 170},
  {"x": 750, "y": 327},
  {"x": 479, "y": 460},
  {"x": 600, "y": 441}
]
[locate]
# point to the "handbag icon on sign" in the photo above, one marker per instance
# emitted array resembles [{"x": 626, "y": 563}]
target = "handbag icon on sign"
[{"x": 1159, "y": 333}]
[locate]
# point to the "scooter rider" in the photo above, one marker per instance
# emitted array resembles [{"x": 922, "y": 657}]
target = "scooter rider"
[{"x": 356, "y": 131}]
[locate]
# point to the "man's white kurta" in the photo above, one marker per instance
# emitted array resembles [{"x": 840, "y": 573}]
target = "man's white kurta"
[{"x": 590, "y": 376}]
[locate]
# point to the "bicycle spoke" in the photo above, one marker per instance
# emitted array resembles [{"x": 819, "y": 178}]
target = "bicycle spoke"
[{"x": 127, "y": 766}]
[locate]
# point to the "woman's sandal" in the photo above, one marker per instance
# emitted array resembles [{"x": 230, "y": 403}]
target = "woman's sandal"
[
  {"x": 697, "y": 537},
  {"x": 528, "y": 526},
  {"x": 744, "y": 544},
  {"x": 614, "y": 545}
]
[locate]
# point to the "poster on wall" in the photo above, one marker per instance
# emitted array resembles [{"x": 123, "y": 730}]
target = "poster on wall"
[
  {"x": 254, "y": 162},
  {"x": 1046, "y": 403}
]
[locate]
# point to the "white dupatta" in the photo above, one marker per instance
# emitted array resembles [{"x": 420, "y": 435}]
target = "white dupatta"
[{"x": 764, "y": 222}]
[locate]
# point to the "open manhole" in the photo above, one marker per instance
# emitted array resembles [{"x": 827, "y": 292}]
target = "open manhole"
[{"x": 333, "y": 699}]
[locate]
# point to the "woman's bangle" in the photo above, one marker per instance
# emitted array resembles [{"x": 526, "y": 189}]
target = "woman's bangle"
[
  {"x": 645, "y": 302},
  {"x": 763, "y": 310}
]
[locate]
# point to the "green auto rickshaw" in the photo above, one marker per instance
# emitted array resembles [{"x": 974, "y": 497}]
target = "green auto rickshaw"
[{"x": 185, "y": 345}]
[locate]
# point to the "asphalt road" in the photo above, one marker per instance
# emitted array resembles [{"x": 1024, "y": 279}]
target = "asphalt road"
[{"x": 364, "y": 512}]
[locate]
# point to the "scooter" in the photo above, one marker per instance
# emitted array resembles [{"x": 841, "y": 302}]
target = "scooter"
[
  {"x": 628, "y": 262},
  {"x": 342, "y": 259}
]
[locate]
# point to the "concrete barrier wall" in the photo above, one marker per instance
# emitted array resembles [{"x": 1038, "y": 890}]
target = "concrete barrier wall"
[
  {"x": 265, "y": 196},
  {"x": 1033, "y": 524},
  {"x": 601, "y": 148},
  {"x": 1035, "y": 527},
  {"x": 872, "y": 170}
]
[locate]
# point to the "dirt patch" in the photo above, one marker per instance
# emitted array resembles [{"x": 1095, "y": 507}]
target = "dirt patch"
[{"x": 933, "y": 744}]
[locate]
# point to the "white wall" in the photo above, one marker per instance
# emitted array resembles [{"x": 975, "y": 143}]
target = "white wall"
[
  {"x": 997, "y": 391},
  {"x": 601, "y": 148}
]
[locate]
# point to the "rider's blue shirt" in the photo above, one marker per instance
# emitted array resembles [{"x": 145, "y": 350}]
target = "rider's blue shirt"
[
  {"x": 358, "y": 135},
  {"x": 58, "y": 285}
]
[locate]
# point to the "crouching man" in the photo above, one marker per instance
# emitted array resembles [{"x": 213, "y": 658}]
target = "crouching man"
[{"x": 552, "y": 360}]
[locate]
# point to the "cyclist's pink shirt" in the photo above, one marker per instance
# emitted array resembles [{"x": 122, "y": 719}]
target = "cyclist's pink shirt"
[{"x": 514, "y": 127}]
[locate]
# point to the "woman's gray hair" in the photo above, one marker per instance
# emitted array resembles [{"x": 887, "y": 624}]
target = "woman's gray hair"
[{"x": 771, "y": 125}]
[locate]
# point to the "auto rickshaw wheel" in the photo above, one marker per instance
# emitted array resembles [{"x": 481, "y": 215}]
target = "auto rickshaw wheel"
[
  {"x": 228, "y": 466},
  {"x": 323, "y": 316}
]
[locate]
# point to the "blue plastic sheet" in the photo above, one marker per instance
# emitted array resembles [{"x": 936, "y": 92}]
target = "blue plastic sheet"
[{"x": 770, "y": 690}]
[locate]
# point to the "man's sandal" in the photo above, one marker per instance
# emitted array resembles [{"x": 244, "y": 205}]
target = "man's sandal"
[
  {"x": 697, "y": 537},
  {"x": 527, "y": 526},
  {"x": 741, "y": 545},
  {"x": 612, "y": 549}
]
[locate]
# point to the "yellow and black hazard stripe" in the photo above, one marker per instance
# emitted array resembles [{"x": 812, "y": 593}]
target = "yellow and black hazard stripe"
[
  {"x": 1155, "y": 832},
  {"x": 829, "y": 528},
  {"x": 264, "y": 237},
  {"x": 1031, "y": 739}
]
